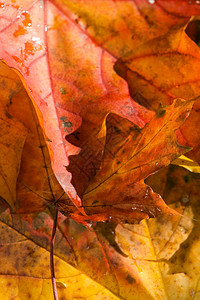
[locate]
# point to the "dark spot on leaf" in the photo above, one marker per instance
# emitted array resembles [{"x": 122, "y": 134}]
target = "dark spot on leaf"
[
  {"x": 67, "y": 124},
  {"x": 123, "y": 151},
  {"x": 95, "y": 201},
  {"x": 114, "y": 263},
  {"x": 117, "y": 130},
  {"x": 10, "y": 99},
  {"x": 160, "y": 113},
  {"x": 130, "y": 279},
  {"x": 185, "y": 245},
  {"x": 9, "y": 284},
  {"x": 8, "y": 115},
  {"x": 182, "y": 257},
  {"x": 63, "y": 91},
  {"x": 186, "y": 178},
  {"x": 63, "y": 118}
]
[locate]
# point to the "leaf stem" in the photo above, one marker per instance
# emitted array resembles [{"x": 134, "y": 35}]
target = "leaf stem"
[{"x": 51, "y": 255}]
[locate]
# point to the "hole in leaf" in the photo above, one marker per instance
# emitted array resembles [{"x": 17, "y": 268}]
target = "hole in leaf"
[{"x": 193, "y": 31}]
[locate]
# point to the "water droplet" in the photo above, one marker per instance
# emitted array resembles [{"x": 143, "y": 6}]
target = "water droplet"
[
  {"x": 185, "y": 199},
  {"x": 36, "y": 39},
  {"x": 133, "y": 208},
  {"x": 110, "y": 218},
  {"x": 152, "y": 1},
  {"x": 147, "y": 193},
  {"x": 89, "y": 225},
  {"x": 45, "y": 28},
  {"x": 158, "y": 210},
  {"x": 61, "y": 285}
]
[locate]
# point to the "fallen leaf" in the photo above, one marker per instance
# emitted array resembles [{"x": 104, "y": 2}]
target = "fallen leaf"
[
  {"x": 163, "y": 253},
  {"x": 146, "y": 37},
  {"x": 25, "y": 272},
  {"x": 52, "y": 42},
  {"x": 121, "y": 26},
  {"x": 181, "y": 187},
  {"x": 151, "y": 244},
  {"x": 162, "y": 69},
  {"x": 66, "y": 52},
  {"x": 26, "y": 166},
  {"x": 66, "y": 102},
  {"x": 145, "y": 269},
  {"x": 118, "y": 190},
  {"x": 187, "y": 163},
  {"x": 12, "y": 138},
  {"x": 31, "y": 189}
]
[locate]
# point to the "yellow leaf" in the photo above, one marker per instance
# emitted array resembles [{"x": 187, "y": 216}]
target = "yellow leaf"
[
  {"x": 187, "y": 163},
  {"x": 150, "y": 245},
  {"x": 25, "y": 272},
  {"x": 12, "y": 137}
]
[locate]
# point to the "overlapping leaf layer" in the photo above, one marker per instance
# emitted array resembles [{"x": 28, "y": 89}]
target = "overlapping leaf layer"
[{"x": 104, "y": 94}]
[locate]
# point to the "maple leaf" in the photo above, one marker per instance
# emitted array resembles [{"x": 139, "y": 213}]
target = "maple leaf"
[
  {"x": 121, "y": 26},
  {"x": 155, "y": 55},
  {"x": 87, "y": 116},
  {"x": 180, "y": 62},
  {"x": 162, "y": 69},
  {"x": 31, "y": 189},
  {"x": 181, "y": 187},
  {"x": 26, "y": 150},
  {"x": 25, "y": 272},
  {"x": 59, "y": 97},
  {"x": 146, "y": 268},
  {"x": 12, "y": 138},
  {"x": 137, "y": 153}
]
